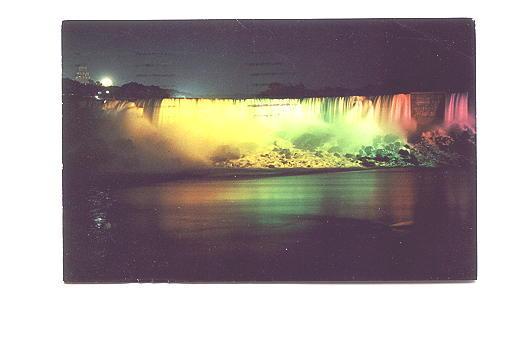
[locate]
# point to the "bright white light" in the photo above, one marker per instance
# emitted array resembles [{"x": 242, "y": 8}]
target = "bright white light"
[
  {"x": 107, "y": 91},
  {"x": 106, "y": 82}
]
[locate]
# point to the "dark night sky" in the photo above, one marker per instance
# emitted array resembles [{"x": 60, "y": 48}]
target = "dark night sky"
[{"x": 219, "y": 58}]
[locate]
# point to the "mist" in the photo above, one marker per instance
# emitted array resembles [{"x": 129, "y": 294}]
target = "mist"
[{"x": 183, "y": 134}]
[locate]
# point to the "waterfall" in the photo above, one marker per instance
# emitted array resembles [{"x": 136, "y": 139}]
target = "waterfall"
[
  {"x": 198, "y": 130},
  {"x": 149, "y": 106},
  {"x": 385, "y": 111},
  {"x": 456, "y": 109},
  {"x": 201, "y": 125},
  {"x": 348, "y": 121},
  {"x": 115, "y": 108}
]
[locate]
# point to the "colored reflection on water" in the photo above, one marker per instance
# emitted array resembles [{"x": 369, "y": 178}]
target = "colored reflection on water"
[
  {"x": 276, "y": 201},
  {"x": 398, "y": 224}
]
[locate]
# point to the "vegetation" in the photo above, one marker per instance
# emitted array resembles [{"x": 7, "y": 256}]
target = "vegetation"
[{"x": 128, "y": 91}]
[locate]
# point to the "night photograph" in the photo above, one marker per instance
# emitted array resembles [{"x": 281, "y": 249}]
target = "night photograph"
[{"x": 269, "y": 151}]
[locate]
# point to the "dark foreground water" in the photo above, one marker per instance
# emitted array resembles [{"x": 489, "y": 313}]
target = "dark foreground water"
[{"x": 397, "y": 224}]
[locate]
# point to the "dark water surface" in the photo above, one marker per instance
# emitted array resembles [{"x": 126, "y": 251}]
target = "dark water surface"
[{"x": 396, "y": 224}]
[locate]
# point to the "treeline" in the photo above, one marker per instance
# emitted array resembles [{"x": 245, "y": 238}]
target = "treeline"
[
  {"x": 128, "y": 91},
  {"x": 279, "y": 90}
]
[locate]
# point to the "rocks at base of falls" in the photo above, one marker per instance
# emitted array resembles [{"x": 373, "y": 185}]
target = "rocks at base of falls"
[
  {"x": 224, "y": 153},
  {"x": 452, "y": 146},
  {"x": 284, "y": 155},
  {"x": 387, "y": 151},
  {"x": 455, "y": 146}
]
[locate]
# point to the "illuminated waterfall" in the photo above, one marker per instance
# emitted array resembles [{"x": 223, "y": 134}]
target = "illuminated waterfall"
[
  {"x": 140, "y": 108},
  {"x": 115, "y": 108},
  {"x": 389, "y": 110},
  {"x": 256, "y": 123},
  {"x": 200, "y": 128},
  {"x": 456, "y": 109}
]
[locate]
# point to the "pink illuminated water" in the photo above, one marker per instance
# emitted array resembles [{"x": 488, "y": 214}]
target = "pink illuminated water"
[{"x": 456, "y": 109}]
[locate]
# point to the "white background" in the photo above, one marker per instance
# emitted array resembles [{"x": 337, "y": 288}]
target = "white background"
[{"x": 35, "y": 302}]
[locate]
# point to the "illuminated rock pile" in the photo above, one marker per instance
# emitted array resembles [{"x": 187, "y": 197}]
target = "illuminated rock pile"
[
  {"x": 454, "y": 146},
  {"x": 387, "y": 151},
  {"x": 285, "y": 156}
]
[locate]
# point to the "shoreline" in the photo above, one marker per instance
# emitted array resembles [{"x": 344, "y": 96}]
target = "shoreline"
[{"x": 135, "y": 179}]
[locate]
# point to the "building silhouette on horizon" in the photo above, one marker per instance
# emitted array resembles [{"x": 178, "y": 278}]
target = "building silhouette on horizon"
[{"x": 82, "y": 75}]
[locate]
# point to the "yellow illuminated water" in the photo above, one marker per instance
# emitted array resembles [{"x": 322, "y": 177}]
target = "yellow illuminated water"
[
  {"x": 274, "y": 113},
  {"x": 198, "y": 128}
]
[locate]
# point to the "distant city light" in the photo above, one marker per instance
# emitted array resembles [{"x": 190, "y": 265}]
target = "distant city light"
[{"x": 106, "y": 82}]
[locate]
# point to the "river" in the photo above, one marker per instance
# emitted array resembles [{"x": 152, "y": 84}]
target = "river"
[{"x": 374, "y": 225}]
